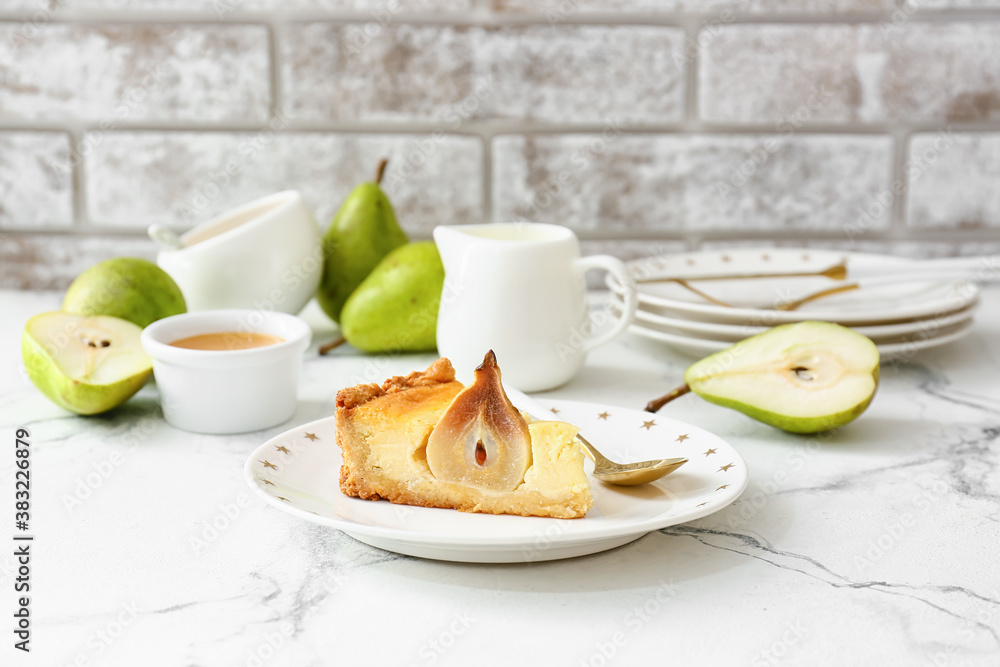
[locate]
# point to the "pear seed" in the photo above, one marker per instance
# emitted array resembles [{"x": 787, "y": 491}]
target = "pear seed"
[
  {"x": 480, "y": 453},
  {"x": 803, "y": 373}
]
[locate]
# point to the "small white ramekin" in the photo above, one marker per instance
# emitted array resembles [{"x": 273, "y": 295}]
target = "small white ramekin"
[{"x": 230, "y": 391}]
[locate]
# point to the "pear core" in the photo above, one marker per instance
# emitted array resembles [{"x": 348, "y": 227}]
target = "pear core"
[{"x": 481, "y": 440}]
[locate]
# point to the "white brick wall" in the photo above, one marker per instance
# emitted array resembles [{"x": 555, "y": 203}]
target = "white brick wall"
[
  {"x": 852, "y": 73},
  {"x": 181, "y": 178},
  {"x": 642, "y": 124},
  {"x": 113, "y": 74},
  {"x": 654, "y": 183},
  {"x": 36, "y": 188}
]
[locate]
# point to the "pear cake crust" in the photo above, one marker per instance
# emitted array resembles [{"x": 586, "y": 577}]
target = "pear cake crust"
[{"x": 383, "y": 431}]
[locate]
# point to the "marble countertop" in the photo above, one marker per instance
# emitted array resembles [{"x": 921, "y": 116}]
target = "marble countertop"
[{"x": 879, "y": 546}]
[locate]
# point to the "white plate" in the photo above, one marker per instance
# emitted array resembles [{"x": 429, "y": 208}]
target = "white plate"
[
  {"x": 756, "y": 298},
  {"x": 736, "y": 332},
  {"x": 298, "y": 472},
  {"x": 702, "y": 347}
]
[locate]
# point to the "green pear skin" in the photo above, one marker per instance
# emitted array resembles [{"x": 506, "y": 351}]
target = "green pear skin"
[
  {"x": 395, "y": 308},
  {"x": 363, "y": 232},
  {"x": 844, "y": 354},
  {"x": 77, "y": 394},
  {"x": 797, "y": 424},
  {"x": 130, "y": 288}
]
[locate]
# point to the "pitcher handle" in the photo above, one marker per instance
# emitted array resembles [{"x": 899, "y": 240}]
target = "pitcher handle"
[{"x": 615, "y": 267}]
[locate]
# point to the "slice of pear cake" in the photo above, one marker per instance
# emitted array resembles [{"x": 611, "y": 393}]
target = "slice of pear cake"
[{"x": 427, "y": 440}]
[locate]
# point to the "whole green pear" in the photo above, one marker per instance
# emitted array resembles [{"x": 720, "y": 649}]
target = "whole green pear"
[
  {"x": 132, "y": 289},
  {"x": 395, "y": 308},
  {"x": 86, "y": 365},
  {"x": 363, "y": 232}
]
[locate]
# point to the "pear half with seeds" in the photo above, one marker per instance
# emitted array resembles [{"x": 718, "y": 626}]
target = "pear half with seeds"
[
  {"x": 481, "y": 440},
  {"x": 805, "y": 377},
  {"x": 86, "y": 365}
]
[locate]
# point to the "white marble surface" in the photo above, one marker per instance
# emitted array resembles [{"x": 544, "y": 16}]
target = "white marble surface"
[{"x": 877, "y": 547}]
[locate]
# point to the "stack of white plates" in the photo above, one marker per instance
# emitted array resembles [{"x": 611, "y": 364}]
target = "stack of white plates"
[{"x": 901, "y": 318}]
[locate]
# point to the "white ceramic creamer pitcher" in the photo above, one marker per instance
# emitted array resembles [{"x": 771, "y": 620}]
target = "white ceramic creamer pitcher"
[{"x": 518, "y": 289}]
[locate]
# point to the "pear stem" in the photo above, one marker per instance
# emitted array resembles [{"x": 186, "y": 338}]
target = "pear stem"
[
  {"x": 656, "y": 404},
  {"x": 380, "y": 170},
  {"x": 331, "y": 345}
]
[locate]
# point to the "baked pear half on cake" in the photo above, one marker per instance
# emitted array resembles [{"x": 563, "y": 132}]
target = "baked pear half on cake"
[{"x": 427, "y": 440}]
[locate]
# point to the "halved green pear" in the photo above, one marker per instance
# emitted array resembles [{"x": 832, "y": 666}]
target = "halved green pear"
[
  {"x": 805, "y": 377},
  {"x": 86, "y": 365},
  {"x": 481, "y": 440}
]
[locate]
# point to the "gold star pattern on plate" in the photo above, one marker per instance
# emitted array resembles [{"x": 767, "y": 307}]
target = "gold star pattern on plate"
[
  {"x": 682, "y": 438},
  {"x": 268, "y": 464},
  {"x": 725, "y": 468},
  {"x": 267, "y": 481},
  {"x": 648, "y": 425},
  {"x": 702, "y": 504},
  {"x": 283, "y": 498},
  {"x": 282, "y": 448},
  {"x": 724, "y": 486},
  {"x": 312, "y": 436},
  {"x": 709, "y": 452},
  {"x": 603, "y": 415},
  {"x": 554, "y": 411}
]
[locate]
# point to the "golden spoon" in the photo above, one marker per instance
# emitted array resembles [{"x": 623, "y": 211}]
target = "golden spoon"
[
  {"x": 628, "y": 474},
  {"x": 981, "y": 268},
  {"x": 606, "y": 470},
  {"x": 835, "y": 272}
]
